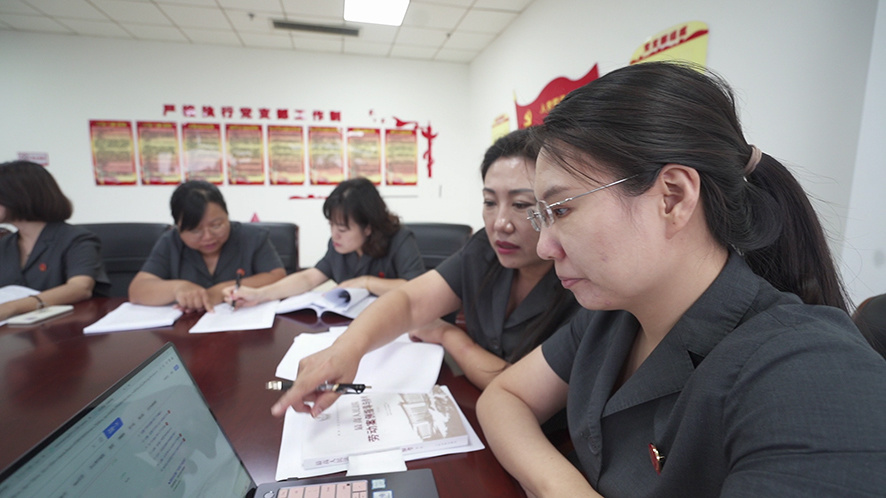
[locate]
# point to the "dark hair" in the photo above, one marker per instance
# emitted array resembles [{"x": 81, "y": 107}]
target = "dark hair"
[
  {"x": 30, "y": 193},
  {"x": 189, "y": 201},
  {"x": 637, "y": 119},
  {"x": 515, "y": 144},
  {"x": 358, "y": 200},
  {"x": 561, "y": 302}
]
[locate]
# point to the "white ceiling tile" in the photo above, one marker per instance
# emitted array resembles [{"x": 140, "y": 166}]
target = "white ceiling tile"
[
  {"x": 449, "y": 55},
  {"x": 161, "y": 33},
  {"x": 196, "y": 17},
  {"x": 486, "y": 21},
  {"x": 198, "y": 3},
  {"x": 213, "y": 37},
  {"x": 421, "y": 37},
  {"x": 258, "y": 23},
  {"x": 35, "y": 23},
  {"x": 457, "y": 3},
  {"x": 409, "y": 52},
  {"x": 469, "y": 41},
  {"x": 137, "y": 12},
  {"x": 76, "y": 9},
  {"x": 255, "y": 5},
  {"x": 266, "y": 41},
  {"x": 360, "y": 47},
  {"x": 317, "y": 8},
  {"x": 508, "y": 5},
  {"x": 433, "y": 16},
  {"x": 317, "y": 43},
  {"x": 16, "y": 7},
  {"x": 378, "y": 33},
  {"x": 95, "y": 28}
]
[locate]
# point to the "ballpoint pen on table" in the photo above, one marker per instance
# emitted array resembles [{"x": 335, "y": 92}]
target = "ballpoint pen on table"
[
  {"x": 240, "y": 273},
  {"x": 283, "y": 385}
]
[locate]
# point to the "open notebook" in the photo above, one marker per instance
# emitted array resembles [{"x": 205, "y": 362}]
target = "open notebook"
[{"x": 153, "y": 434}]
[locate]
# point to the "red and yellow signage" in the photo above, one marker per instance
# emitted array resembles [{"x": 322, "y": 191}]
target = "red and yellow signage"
[
  {"x": 535, "y": 112},
  {"x": 687, "y": 41},
  {"x": 113, "y": 152}
]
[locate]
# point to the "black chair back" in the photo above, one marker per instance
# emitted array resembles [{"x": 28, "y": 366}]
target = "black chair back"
[
  {"x": 438, "y": 241},
  {"x": 870, "y": 318},
  {"x": 284, "y": 236},
  {"x": 125, "y": 248}
]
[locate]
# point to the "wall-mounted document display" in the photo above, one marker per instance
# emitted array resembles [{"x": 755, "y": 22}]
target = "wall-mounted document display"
[
  {"x": 326, "y": 151},
  {"x": 203, "y": 152},
  {"x": 364, "y": 154},
  {"x": 245, "y": 147},
  {"x": 113, "y": 152},
  {"x": 401, "y": 155},
  {"x": 286, "y": 155},
  {"x": 158, "y": 153}
]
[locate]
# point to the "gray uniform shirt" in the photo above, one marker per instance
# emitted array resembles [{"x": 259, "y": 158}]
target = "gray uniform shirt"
[
  {"x": 62, "y": 251},
  {"x": 484, "y": 287},
  {"x": 248, "y": 247},
  {"x": 752, "y": 393},
  {"x": 403, "y": 260}
]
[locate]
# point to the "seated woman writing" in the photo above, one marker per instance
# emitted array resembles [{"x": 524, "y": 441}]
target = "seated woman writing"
[
  {"x": 61, "y": 261},
  {"x": 512, "y": 298},
  {"x": 720, "y": 360},
  {"x": 369, "y": 249},
  {"x": 189, "y": 266}
]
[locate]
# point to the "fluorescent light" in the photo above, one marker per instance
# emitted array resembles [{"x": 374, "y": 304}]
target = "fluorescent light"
[{"x": 389, "y": 12}]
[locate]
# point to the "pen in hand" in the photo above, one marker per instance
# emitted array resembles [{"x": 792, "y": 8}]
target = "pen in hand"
[
  {"x": 240, "y": 273},
  {"x": 284, "y": 385}
]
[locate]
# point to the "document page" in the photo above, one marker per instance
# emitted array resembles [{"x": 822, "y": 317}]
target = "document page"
[
  {"x": 130, "y": 316},
  {"x": 14, "y": 292},
  {"x": 226, "y": 318}
]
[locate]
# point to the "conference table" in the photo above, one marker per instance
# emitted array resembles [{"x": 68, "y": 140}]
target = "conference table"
[{"x": 50, "y": 370}]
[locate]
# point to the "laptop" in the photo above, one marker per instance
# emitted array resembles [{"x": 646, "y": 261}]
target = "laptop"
[{"x": 152, "y": 434}]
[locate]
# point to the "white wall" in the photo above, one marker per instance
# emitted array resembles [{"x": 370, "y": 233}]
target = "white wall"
[
  {"x": 54, "y": 85},
  {"x": 864, "y": 248},
  {"x": 798, "y": 67}
]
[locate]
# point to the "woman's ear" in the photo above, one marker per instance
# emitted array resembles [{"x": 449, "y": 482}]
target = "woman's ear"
[{"x": 680, "y": 188}]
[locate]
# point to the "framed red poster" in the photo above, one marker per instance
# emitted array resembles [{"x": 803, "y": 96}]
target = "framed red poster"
[
  {"x": 158, "y": 153},
  {"x": 364, "y": 154},
  {"x": 113, "y": 152},
  {"x": 401, "y": 156},
  {"x": 286, "y": 155},
  {"x": 245, "y": 147},
  {"x": 326, "y": 152},
  {"x": 203, "y": 152}
]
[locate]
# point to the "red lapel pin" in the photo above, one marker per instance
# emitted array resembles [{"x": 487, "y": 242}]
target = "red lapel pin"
[{"x": 657, "y": 458}]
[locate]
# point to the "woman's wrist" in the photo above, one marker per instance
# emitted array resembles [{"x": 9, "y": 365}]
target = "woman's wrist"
[{"x": 40, "y": 303}]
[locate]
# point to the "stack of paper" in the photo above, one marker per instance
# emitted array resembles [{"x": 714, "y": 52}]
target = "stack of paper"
[
  {"x": 13, "y": 293},
  {"x": 130, "y": 316},
  {"x": 225, "y": 318}
]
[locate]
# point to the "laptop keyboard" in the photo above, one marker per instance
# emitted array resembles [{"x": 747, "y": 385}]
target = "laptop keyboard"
[{"x": 349, "y": 489}]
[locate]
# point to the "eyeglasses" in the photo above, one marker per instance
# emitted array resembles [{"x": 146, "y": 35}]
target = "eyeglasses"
[
  {"x": 218, "y": 228},
  {"x": 543, "y": 214}
]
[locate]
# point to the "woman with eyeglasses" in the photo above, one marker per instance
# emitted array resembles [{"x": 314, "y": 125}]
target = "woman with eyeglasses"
[
  {"x": 721, "y": 360},
  {"x": 190, "y": 265},
  {"x": 511, "y": 298},
  {"x": 45, "y": 253},
  {"x": 368, "y": 249}
]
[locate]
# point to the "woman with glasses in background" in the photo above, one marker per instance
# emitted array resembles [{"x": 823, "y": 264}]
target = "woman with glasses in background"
[
  {"x": 720, "y": 360},
  {"x": 369, "y": 249},
  {"x": 190, "y": 265},
  {"x": 511, "y": 298}
]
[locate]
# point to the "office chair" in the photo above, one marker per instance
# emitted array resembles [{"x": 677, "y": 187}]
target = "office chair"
[
  {"x": 870, "y": 318},
  {"x": 125, "y": 248},
  {"x": 438, "y": 241},
  {"x": 284, "y": 236}
]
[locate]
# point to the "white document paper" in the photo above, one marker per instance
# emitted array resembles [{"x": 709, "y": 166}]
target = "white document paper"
[
  {"x": 225, "y": 318},
  {"x": 401, "y": 366},
  {"x": 14, "y": 292},
  {"x": 289, "y": 463},
  {"x": 345, "y": 302},
  {"x": 130, "y": 316}
]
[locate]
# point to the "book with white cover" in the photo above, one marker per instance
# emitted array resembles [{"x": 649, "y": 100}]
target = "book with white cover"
[
  {"x": 374, "y": 422},
  {"x": 346, "y": 302},
  {"x": 130, "y": 316}
]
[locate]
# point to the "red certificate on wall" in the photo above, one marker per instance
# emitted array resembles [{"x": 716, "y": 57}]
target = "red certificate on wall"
[
  {"x": 246, "y": 154},
  {"x": 113, "y": 152},
  {"x": 286, "y": 155},
  {"x": 158, "y": 153},
  {"x": 326, "y": 155},
  {"x": 203, "y": 152},
  {"x": 364, "y": 153},
  {"x": 401, "y": 154}
]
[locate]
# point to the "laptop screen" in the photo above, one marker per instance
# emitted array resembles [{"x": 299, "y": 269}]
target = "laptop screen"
[{"x": 151, "y": 434}]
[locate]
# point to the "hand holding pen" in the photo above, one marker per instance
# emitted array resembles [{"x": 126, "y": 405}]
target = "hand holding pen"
[
  {"x": 342, "y": 388},
  {"x": 322, "y": 378},
  {"x": 240, "y": 274}
]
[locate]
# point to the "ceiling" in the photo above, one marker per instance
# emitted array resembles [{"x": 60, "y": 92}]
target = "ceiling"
[{"x": 434, "y": 30}]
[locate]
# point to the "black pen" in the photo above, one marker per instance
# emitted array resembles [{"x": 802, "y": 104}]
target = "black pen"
[
  {"x": 240, "y": 273},
  {"x": 284, "y": 385}
]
